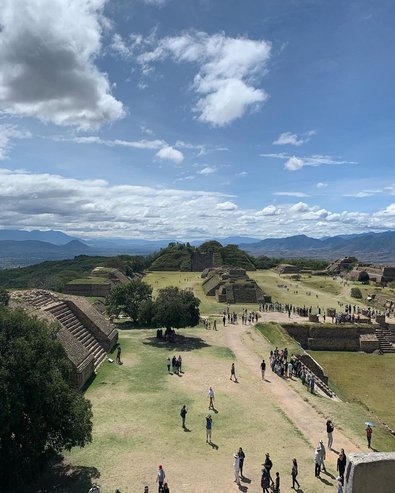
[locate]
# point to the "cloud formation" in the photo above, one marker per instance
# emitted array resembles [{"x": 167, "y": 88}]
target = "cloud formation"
[
  {"x": 170, "y": 154},
  {"x": 294, "y": 163},
  {"x": 7, "y": 133},
  {"x": 96, "y": 208},
  {"x": 47, "y": 62},
  {"x": 288, "y": 138},
  {"x": 227, "y": 71}
]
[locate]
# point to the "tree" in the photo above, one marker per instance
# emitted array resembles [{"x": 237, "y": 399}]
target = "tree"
[
  {"x": 175, "y": 308},
  {"x": 356, "y": 293},
  {"x": 364, "y": 277},
  {"x": 4, "y": 297},
  {"x": 40, "y": 412},
  {"x": 128, "y": 298}
]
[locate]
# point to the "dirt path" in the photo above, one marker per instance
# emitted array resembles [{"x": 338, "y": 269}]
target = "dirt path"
[{"x": 245, "y": 342}]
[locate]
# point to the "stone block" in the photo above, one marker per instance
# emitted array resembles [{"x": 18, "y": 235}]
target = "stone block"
[{"x": 370, "y": 472}]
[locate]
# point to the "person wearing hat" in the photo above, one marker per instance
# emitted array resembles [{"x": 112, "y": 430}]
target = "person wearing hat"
[
  {"x": 317, "y": 461},
  {"x": 160, "y": 478},
  {"x": 323, "y": 455},
  {"x": 236, "y": 468}
]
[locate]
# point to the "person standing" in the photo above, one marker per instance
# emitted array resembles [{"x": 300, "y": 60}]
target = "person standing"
[
  {"x": 268, "y": 466},
  {"x": 209, "y": 427},
  {"x": 329, "y": 431},
  {"x": 233, "y": 373},
  {"x": 369, "y": 433},
  {"x": 242, "y": 456},
  {"x": 323, "y": 455},
  {"x": 265, "y": 480},
  {"x": 294, "y": 473},
  {"x": 317, "y": 461},
  {"x": 263, "y": 369},
  {"x": 179, "y": 363},
  {"x": 211, "y": 398},
  {"x": 183, "y": 414},
  {"x": 215, "y": 325},
  {"x": 277, "y": 483},
  {"x": 160, "y": 478},
  {"x": 119, "y": 350},
  {"x": 168, "y": 363},
  {"x": 236, "y": 468},
  {"x": 341, "y": 463}
]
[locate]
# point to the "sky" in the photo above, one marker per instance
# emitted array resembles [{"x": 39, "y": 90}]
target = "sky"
[{"x": 192, "y": 119}]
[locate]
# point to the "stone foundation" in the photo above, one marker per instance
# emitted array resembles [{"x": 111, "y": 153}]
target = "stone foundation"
[{"x": 372, "y": 472}]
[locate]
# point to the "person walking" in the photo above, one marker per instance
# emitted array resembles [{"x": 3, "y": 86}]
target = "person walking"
[
  {"x": 160, "y": 478},
  {"x": 265, "y": 480},
  {"x": 242, "y": 456},
  {"x": 294, "y": 473},
  {"x": 323, "y": 455},
  {"x": 183, "y": 414},
  {"x": 263, "y": 369},
  {"x": 317, "y": 461},
  {"x": 211, "y": 398},
  {"x": 233, "y": 373},
  {"x": 165, "y": 488},
  {"x": 168, "y": 363},
  {"x": 209, "y": 427},
  {"x": 268, "y": 464},
  {"x": 369, "y": 433},
  {"x": 329, "y": 430},
  {"x": 236, "y": 468},
  {"x": 341, "y": 463},
  {"x": 119, "y": 350}
]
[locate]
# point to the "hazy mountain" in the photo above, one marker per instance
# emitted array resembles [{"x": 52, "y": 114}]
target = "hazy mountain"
[{"x": 55, "y": 237}]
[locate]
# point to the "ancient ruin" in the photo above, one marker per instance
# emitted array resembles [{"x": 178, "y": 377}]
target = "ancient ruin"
[
  {"x": 99, "y": 283},
  {"x": 341, "y": 266},
  {"x": 379, "y": 274},
  {"x": 231, "y": 285},
  {"x": 84, "y": 333},
  {"x": 287, "y": 269},
  {"x": 367, "y": 472}
]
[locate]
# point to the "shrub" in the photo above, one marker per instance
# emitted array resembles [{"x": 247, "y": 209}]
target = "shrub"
[{"x": 356, "y": 293}]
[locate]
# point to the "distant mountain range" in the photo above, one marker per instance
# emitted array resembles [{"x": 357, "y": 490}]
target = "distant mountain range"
[{"x": 21, "y": 248}]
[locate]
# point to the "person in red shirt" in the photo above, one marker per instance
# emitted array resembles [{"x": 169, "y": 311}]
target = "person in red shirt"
[{"x": 369, "y": 432}]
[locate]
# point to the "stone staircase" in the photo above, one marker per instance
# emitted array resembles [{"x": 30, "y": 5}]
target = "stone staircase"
[
  {"x": 44, "y": 300},
  {"x": 383, "y": 335},
  {"x": 318, "y": 381}
]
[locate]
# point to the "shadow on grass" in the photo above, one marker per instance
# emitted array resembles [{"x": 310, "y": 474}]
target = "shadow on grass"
[
  {"x": 243, "y": 488},
  {"x": 214, "y": 445},
  {"x": 62, "y": 478},
  {"x": 245, "y": 479},
  {"x": 325, "y": 481},
  {"x": 181, "y": 343}
]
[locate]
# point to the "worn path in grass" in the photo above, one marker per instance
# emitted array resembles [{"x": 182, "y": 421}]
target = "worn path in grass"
[{"x": 243, "y": 341}]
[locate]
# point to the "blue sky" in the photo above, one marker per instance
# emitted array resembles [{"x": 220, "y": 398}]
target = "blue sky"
[{"x": 192, "y": 119}]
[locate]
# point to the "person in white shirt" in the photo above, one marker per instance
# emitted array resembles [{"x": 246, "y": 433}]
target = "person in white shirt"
[{"x": 211, "y": 398}]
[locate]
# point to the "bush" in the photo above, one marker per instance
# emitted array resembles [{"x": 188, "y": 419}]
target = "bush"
[{"x": 356, "y": 293}]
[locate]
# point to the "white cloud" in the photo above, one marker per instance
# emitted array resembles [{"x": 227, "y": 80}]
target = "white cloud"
[
  {"x": 320, "y": 184},
  {"x": 7, "y": 133},
  {"x": 226, "y": 74},
  {"x": 96, "y": 208},
  {"x": 93, "y": 139},
  {"x": 362, "y": 194},
  {"x": 294, "y": 163},
  {"x": 288, "y": 138},
  {"x": 170, "y": 154},
  {"x": 291, "y": 194},
  {"x": 242, "y": 173},
  {"x": 226, "y": 206},
  {"x": 47, "y": 58},
  {"x": 208, "y": 170}
]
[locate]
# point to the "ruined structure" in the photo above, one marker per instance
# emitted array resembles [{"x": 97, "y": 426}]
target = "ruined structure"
[
  {"x": 368, "y": 472},
  {"x": 84, "y": 333},
  {"x": 287, "y": 269},
  {"x": 98, "y": 284},
  {"x": 341, "y": 266},
  {"x": 232, "y": 285},
  {"x": 380, "y": 274}
]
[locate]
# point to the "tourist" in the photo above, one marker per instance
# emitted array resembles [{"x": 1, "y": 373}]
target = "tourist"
[
  {"x": 215, "y": 325},
  {"x": 118, "y": 359},
  {"x": 211, "y": 398},
  {"x": 317, "y": 461},
  {"x": 369, "y": 433},
  {"x": 339, "y": 485},
  {"x": 179, "y": 363},
  {"x": 242, "y": 456},
  {"x": 173, "y": 364},
  {"x": 160, "y": 478},
  {"x": 263, "y": 369},
  {"x": 329, "y": 431},
  {"x": 341, "y": 463},
  {"x": 236, "y": 468},
  {"x": 168, "y": 363},
  {"x": 294, "y": 473},
  {"x": 312, "y": 384},
  {"x": 209, "y": 426},
  {"x": 265, "y": 480},
  {"x": 277, "y": 483},
  {"x": 268, "y": 464},
  {"x": 323, "y": 455},
  {"x": 233, "y": 373},
  {"x": 290, "y": 369},
  {"x": 183, "y": 414},
  {"x": 165, "y": 488},
  {"x": 224, "y": 320}
]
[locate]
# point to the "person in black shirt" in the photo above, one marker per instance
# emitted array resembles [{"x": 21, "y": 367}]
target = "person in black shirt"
[
  {"x": 242, "y": 456},
  {"x": 183, "y": 414},
  {"x": 341, "y": 463},
  {"x": 329, "y": 431}
]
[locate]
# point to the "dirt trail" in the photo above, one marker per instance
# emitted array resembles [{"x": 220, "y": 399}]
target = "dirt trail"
[{"x": 244, "y": 342}]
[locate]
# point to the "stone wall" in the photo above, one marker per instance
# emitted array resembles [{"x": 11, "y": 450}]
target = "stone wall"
[
  {"x": 369, "y": 343},
  {"x": 372, "y": 472},
  {"x": 99, "y": 290}
]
